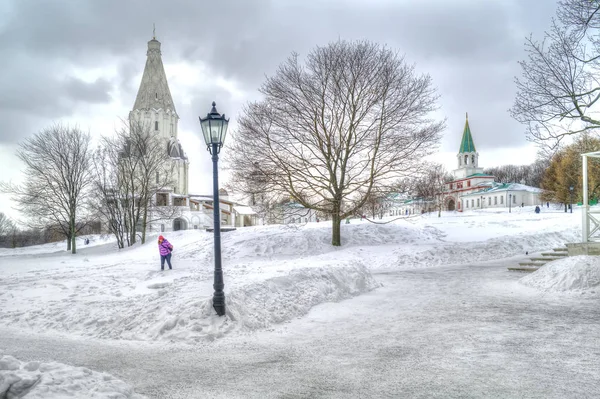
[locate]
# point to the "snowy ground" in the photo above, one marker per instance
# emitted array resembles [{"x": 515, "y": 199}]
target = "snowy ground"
[{"x": 413, "y": 307}]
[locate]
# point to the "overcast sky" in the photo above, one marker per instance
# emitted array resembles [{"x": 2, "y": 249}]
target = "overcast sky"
[{"x": 80, "y": 62}]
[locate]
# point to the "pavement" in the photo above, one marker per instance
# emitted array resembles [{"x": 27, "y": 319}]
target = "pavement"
[{"x": 468, "y": 331}]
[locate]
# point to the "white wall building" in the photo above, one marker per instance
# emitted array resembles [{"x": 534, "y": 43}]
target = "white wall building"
[{"x": 154, "y": 108}]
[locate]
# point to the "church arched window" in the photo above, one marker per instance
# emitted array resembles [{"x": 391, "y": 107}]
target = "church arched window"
[
  {"x": 466, "y": 159},
  {"x": 473, "y": 159},
  {"x": 156, "y": 125}
]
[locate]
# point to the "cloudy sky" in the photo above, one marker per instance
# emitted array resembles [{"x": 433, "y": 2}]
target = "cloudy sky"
[{"x": 80, "y": 62}]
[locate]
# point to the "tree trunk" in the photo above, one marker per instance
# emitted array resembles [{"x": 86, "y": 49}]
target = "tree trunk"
[
  {"x": 72, "y": 228},
  {"x": 69, "y": 241},
  {"x": 144, "y": 224},
  {"x": 336, "y": 222}
]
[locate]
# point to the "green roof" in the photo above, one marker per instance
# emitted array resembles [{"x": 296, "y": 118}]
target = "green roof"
[{"x": 466, "y": 144}]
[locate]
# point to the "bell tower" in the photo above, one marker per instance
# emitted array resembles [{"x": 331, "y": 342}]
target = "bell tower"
[
  {"x": 154, "y": 110},
  {"x": 468, "y": 157}
]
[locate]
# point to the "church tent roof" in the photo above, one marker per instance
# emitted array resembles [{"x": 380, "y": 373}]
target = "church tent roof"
[
  {"x": 467, "y": 144},
  {"x": 154, "y": 92}
]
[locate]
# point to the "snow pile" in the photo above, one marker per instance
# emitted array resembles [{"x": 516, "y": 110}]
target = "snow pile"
[
  {"x": 579, "y": 274},
  {"x": 38, "y": 380},
  {"x": 172, "y": 314},
  {"x": 279, "y": 299},
  {"x": 467, "y": 252}
]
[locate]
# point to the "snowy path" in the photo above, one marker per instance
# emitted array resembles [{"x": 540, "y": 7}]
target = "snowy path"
[{"x": 467, "y": 331}]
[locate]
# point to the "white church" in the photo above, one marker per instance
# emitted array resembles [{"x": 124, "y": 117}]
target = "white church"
[
  {"x": 154, "y": 107},
  {"x": 473, "y": 189}
]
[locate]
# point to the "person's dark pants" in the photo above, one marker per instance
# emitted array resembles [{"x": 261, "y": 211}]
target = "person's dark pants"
[{"x": 162, "y": 261}]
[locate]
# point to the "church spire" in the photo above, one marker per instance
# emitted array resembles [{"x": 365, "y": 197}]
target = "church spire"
[
  {"x": 466, "y": 144},
  {"x": 154, "y": 90}
]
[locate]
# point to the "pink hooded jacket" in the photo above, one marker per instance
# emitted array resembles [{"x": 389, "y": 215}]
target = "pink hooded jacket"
[{"x": 164, "y": 247}]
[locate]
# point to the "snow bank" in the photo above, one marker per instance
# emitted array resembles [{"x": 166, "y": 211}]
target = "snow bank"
[
  {"x": 279, "y": 299},
  {"x": 38, "y": 380},
  {"x": 169, "y": 314},
  {"x": 580, "y": 274},
  {"x": 444, "y": 254}
]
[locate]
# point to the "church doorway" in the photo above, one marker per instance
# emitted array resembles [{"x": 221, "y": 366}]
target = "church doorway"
[
  {"x": 179, "y": 224},
  {"x": 451, "y": 205}
]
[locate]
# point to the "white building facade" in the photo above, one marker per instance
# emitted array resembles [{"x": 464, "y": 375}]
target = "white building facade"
[{"x": 154, "y": 109}]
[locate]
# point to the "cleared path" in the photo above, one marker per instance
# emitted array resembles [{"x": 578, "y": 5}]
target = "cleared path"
[{"x": 457, "y": 332}]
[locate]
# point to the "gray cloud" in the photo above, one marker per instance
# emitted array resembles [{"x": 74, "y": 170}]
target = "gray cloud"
[{"x": 470, "y": 48}]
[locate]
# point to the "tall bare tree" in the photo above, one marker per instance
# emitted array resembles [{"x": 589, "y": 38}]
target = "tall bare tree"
[
  {"x": 354, "y": 116},
  {"x": 57, "y": 170},
  {"x": 130, "y": 169},
  {"x": 559, "y": 89}
]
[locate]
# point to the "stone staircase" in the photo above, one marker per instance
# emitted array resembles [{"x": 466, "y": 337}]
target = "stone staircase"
[{"x": 536, "y": 262}]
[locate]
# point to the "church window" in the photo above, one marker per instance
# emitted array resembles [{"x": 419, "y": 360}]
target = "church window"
[
  {"x": 472, "y": 203},
  {"x": 514, "y": 199},
  {"x": 473, "y": 159},
  {"x": 451, "y": 186},
  {"x": 156, "y": 96},
  {"x": 478, "y": 202},
  {"x": 495, "y": 200},
  {"x": 468, "y": 183},
  {"x": 466, "y": 159},
  {"x": 501, "y": 200},
  {"x": 156, "y": 125},
  {"x": 489, "y": 200}
]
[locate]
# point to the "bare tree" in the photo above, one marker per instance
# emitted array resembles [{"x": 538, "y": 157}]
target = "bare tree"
[
  {"x": 353, "y": 117},
  {"x": 130, "y": 169},
  {"x": 57, "y": 162},
  {"x": 559, "y": 87},
  {"x": 432, "y": 186},
  {"x": 254, "y": 187},
  {"x": 6, "y": 225}
]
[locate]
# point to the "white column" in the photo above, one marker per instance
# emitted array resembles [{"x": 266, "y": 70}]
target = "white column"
[{"x": 585, "y": 208}]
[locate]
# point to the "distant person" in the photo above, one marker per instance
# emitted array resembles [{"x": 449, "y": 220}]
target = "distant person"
[
  {"x": 537, "y": 209},
  {"x": 86, "y": 241},
  {"x": 547, "y": 205},
  {"x": 165, "y": 248}
]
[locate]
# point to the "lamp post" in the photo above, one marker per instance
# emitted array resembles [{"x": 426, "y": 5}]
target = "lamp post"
[
  {"x": 571, "y": 198},
  {"x": 214, "y": 129}
]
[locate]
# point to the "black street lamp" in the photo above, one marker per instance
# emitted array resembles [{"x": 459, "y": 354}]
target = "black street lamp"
[
  {"x": 214, "y": 129},
  {"x": 571, "y": 198}
]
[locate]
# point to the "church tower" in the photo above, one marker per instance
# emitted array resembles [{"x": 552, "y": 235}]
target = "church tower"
[
  {"x": 468, "y": 158},
  {"x": 154, "y": 110}
]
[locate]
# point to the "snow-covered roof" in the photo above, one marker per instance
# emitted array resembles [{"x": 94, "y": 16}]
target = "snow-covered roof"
[
  {"x": 493, "y": 187},
  {"x": 244, "y": 210},
  {"x": 200, "y": 198}
]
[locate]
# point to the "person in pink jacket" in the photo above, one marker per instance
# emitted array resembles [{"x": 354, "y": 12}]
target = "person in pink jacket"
[{"x": 165, "y": 248}]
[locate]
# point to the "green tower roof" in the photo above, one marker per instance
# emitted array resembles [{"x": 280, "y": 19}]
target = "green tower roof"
[{"x": 466, "y": 144}]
